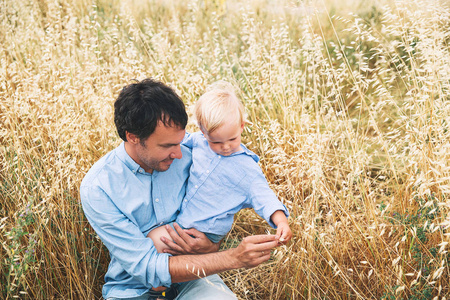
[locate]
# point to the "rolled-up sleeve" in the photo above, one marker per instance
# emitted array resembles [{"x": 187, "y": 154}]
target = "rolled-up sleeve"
[
  {"x": 263, "y": 199},
  {"x": 126, "y": 243}
]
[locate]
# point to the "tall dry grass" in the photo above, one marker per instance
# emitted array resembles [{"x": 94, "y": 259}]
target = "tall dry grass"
[{"x": 348, "y": 108}]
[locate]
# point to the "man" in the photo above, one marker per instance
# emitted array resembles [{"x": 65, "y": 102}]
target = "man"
[{"x": 140, "y": 185}]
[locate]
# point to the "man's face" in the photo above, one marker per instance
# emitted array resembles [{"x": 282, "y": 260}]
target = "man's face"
[{"x": 159, "y": 150}]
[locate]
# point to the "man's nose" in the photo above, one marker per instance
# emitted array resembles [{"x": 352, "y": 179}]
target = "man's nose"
[{"x": 177, "y": 153}]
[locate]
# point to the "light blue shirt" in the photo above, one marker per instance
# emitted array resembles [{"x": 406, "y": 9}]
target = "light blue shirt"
[
  {"x": 220, "y": 186},
  {"x": 122, "y": 203}
]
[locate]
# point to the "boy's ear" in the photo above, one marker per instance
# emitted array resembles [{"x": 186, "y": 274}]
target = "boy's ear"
[
  {"x": 242, "y": 126},
  {"x": 202, "y": 130},
  {"x": 132, "y": 138},
  {"x": 205, "y": 133}
]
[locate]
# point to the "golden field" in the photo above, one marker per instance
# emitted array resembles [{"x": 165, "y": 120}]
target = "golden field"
[{"x": 348, "y": 108}]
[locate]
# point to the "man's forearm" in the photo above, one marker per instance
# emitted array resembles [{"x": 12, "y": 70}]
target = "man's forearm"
[
  {"x": 190, "y": 267},
  {"x": 252, "y": 251}
]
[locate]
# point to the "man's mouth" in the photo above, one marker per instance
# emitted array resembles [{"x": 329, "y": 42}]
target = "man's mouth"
[{"x": 168, "y": 161}]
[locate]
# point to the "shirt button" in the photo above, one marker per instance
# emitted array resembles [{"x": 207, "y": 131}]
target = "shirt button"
[
  {"x": 196, "y": 186},
  {"x": 156, "y": 200},
  {"x": 207, "y": 171},
  {"x": 161, "y": 223},
  {"x": 185, "y": 200}
]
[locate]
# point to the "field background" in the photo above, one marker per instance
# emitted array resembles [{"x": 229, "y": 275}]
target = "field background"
[{"x": 348, "y": 107}]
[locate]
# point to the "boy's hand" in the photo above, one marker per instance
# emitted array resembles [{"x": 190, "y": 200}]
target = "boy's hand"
[{"x": 284, "y": 232}]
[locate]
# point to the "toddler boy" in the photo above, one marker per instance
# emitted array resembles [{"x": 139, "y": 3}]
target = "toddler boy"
[{"x": 224, "y": 176}]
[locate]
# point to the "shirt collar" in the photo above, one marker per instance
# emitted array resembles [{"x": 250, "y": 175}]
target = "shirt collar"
[
  {"x": 127, "y": 160},
  {"x": 248, "y": 152}
]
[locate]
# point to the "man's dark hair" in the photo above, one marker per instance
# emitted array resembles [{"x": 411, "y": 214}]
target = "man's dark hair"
[{"x": 141, "y": 105}]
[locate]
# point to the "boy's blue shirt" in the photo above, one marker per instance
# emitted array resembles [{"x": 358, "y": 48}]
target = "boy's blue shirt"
[
  {"x": 122, "y": 203},
  {"x": 220, "y": 186}
]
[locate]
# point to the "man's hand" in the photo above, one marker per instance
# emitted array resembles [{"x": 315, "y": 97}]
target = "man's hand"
[
  {"x": 253, "y": 250},
  {"x": 188, "y": 241}
]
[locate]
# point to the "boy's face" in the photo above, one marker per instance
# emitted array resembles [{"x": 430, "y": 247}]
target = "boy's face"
[{"x": 226, "y": 139}]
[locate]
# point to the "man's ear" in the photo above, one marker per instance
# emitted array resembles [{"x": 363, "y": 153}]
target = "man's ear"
[{"x": 132, "y": 138}]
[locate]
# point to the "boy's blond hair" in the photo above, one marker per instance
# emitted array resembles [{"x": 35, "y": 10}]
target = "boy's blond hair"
[{"x": 217, "y": 106}]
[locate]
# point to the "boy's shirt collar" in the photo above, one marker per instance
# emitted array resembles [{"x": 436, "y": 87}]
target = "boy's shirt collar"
[{"x": 246, "y": 151}]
